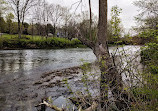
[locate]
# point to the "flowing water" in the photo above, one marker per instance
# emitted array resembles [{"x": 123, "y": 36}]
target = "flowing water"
[{"x": 19, "y": 69}]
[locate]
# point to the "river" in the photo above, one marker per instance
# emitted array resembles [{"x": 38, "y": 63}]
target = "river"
[{"x": 21, "y": 72}]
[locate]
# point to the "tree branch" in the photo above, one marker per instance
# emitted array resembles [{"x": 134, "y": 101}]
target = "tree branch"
[
  {"x": 84, "y": 40},
  {"x": 92, "y": 107},
  {"x": 50, "y": 106}
]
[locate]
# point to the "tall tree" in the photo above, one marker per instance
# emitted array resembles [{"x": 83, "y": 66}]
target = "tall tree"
[
  {"x": 147, "y": 20},
  {"x": 20, "y": 8},
  {"x": 56, "y": 12},
  {"x": 110, "y": 78},
  {"x": 66, "y": 17},
  {"x": 115, "y": 22},
  {"x": 42, "y": 15},
  {"x": 3, "y": 8},
  {"x": 2, "y": 25},
  {"x": 90, "y": 13},
  {"x": 148, "y": 16},
  {"x": 38, "y": 16},
  {"x": 9, "y": 22}
]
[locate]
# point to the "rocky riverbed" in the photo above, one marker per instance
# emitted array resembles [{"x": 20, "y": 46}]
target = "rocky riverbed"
[{"x": 28, "y": 92}]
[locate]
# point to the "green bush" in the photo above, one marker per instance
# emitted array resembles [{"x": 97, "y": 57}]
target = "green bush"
[
  {"x": 146, "y": 95},
  {"x": 148, "y": 98},
  {"x": 149, "y": 57},
  {"x": 149, "y": 35}
]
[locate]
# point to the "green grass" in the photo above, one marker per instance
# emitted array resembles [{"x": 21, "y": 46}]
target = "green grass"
[{"x": 37, "y": 42}]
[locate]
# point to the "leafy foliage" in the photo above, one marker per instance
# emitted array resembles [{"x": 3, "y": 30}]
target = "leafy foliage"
[
  {"x": 147, "y": 94},
  {"x": 115, "y": 22},
  {"x": 149, "y": 35},
  {"x": 149, "y": 56}
]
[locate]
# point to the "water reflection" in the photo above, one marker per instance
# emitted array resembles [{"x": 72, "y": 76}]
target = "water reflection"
[{"x": 12, "y": 61}]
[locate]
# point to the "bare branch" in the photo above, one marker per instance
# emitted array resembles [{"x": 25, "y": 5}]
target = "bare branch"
[
  {"x": 84, "y": 40},
  {"x": 51, "y": 106}
]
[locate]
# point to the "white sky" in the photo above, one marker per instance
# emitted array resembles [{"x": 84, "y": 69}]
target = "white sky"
[{"x": 127, "y": 15}]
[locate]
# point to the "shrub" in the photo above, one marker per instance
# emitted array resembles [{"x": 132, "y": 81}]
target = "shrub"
[
  {"x": 149, "y": 57},
  {"x": 149, "y": 35},
  {"x": 146, "y": 95}
]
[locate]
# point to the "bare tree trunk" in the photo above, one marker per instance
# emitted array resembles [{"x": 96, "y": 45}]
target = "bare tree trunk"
[
  {"x": 90, "y": 25},
  {"x": 32, "y": 29},
  {"x": 54, "y": 32},
  {"x": 18, "y": 14},
  {"x": 21, "y": 16},
  {"x": 47, "y": 29}
]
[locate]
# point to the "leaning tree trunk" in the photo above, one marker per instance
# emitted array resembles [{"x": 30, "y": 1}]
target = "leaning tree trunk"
[{"x": 110, "y": 78}]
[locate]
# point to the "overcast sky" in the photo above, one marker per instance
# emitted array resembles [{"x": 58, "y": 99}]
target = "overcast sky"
[{"x": 127, "y": 15}]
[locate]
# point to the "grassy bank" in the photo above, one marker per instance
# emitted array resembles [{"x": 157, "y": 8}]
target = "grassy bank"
[{"x": 37, "y": 42}]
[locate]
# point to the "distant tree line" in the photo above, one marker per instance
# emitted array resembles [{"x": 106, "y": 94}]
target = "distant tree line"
[{"x": 38, "y": 17}]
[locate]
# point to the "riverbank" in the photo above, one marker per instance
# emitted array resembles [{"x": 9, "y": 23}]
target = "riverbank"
[
  {"x": 12, "y": 42},
  {"x": 37, "y": 42}
]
